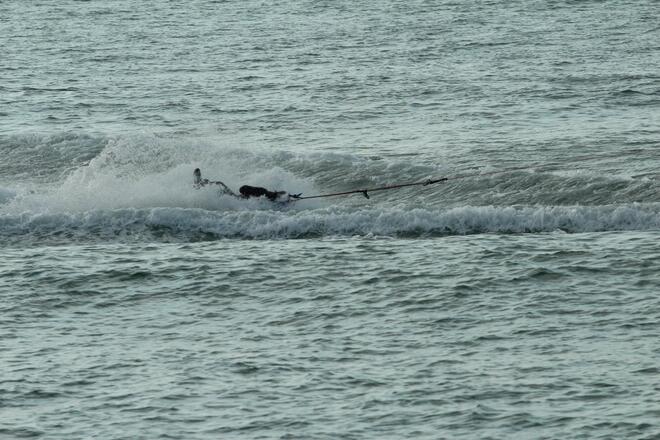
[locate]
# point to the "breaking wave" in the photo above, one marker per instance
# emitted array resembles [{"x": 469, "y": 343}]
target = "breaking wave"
[
  {"x": 139, "y": 188},
  {"x": 193, "y": 224}
]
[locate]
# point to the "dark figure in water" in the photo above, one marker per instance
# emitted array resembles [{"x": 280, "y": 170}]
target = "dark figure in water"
[{"x": 246, "y": 191}]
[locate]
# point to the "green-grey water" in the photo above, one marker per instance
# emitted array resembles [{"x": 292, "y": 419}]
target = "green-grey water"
[{"x": 516, "y": 300}]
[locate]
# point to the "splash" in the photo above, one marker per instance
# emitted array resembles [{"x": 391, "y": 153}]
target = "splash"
[
  {"x": 148, "y": 172},
  {"x": 140, "y": 187}
]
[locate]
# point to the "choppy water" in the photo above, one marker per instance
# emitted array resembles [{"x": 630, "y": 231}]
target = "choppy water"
[{"x": 499, "y": 304}]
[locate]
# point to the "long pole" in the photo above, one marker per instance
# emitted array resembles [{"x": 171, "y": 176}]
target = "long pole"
[{"x": 365, "y": 192}]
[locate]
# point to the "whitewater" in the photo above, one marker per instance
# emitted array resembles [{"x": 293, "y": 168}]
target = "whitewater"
[
  {"x": 517, "y": 299},
  {"x": 132, "y": 191}
]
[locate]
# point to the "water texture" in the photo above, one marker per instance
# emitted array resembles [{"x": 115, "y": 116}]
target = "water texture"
[{"x": 518, "y": 299}]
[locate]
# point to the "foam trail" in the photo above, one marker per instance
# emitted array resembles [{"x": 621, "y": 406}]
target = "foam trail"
[{"x": 185, "y": 224}]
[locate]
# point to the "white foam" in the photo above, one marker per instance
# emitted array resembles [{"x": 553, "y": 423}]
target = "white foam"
[
  {"x": 103, "y": 188},
  {"x": 191, "y": 223},
  {"x": 142, "y": 185}
]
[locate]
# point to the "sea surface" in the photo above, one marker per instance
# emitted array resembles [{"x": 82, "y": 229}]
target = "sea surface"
[{"x": 519, "y": 299}]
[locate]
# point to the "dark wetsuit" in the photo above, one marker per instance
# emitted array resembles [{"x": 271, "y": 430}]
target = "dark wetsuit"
[
  {"x": 257, "y": 191},
  {"x": 246, "y": 191}
]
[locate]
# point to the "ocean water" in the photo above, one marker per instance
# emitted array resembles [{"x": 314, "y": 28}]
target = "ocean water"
[{"x": 516, "y": 300}]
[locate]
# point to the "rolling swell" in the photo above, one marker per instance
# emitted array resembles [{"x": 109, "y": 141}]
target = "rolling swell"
[{"x": 189, "y": 224}]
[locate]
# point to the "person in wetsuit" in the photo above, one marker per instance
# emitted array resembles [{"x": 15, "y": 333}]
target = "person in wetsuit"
[{"x": 246, "y": 191}]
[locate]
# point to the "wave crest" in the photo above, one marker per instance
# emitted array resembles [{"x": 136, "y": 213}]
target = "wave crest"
[{"x": 192, "y": 224}]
